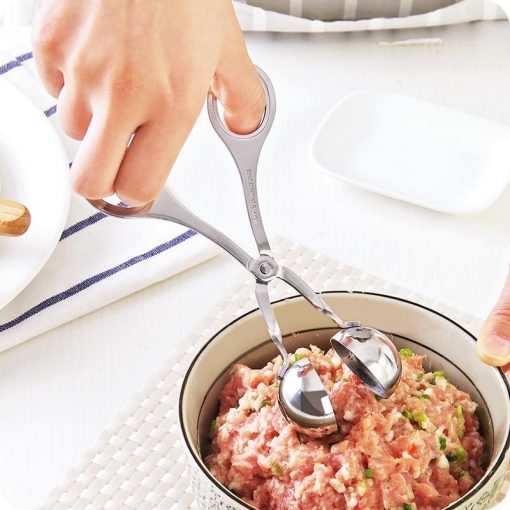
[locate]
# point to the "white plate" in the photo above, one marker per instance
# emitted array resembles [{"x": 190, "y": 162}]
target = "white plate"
[
  {"x": 33, "y": 170},
  {"x": 416, "y": 151}
]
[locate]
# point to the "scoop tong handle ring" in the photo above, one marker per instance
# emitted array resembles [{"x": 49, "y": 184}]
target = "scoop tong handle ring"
[{"x": 245, "y": 150}]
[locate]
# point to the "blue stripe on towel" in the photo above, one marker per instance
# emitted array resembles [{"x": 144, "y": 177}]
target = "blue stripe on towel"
[
  {"x": 69, "y": 231},
  {"x": 50, "y": 111},
  {"x": 25, "y": 56},
  {"x": 85, "y": 284},
  {"x": 9, "y": 65},
  {"x": 15, "y": 63},
  {"x": 80, "y": 225}
]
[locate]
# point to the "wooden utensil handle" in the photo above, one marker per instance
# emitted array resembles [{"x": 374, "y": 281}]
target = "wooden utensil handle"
[{"x": 14, "y": 218}]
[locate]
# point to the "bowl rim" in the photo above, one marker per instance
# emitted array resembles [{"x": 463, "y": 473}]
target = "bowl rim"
[{"x": 456, "y": 504}]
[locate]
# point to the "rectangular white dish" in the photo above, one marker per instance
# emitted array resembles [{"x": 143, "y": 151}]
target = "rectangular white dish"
[{"x": 415, "y": 151}]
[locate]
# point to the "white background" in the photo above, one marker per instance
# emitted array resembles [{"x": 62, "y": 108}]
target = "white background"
[{"x": 58, "y": 391}]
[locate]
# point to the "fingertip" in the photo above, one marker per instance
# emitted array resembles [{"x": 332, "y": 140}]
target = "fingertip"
[
  {"x": 135, "y": 197},
  {"x": 135, "y": 187},
  {"x": 88, "y": 186},
  {"x": 247, "y": 118},
  {"x": 483, "y": 356},
  {"x": 493, "y": 347},
  {"x": 239, "y": 88}
]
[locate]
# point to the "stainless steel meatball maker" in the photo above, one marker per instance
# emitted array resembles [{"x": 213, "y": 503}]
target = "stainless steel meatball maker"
[{"x": 367, "y": 352}]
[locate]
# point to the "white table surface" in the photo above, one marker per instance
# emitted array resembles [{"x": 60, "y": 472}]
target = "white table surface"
[{"x": 58, "y": 391}]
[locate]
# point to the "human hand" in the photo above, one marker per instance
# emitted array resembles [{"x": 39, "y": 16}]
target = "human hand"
[
  {"x": 142, "y": 67},
  {"x": 494, "y": 341}
]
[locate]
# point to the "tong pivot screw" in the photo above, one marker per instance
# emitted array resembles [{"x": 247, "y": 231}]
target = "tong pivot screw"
[{"x": 265, "y": 268}]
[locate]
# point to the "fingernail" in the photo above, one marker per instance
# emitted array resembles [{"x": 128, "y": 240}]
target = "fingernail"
[{"x": 495, "y": 348}]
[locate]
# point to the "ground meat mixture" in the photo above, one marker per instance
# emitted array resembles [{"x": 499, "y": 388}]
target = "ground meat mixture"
[{"x": 418, "y": 450}]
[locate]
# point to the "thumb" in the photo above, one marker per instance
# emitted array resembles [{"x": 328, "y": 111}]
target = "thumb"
[
  {"x": 494, "y": 341},
  {"x": 238, "y": 87}
]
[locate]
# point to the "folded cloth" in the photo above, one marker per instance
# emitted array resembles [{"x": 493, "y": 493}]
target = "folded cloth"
[
  {"x": 334, "y": 10},
  {"x": 98, "y": 259},
  {"x": 357, "y": 15}
]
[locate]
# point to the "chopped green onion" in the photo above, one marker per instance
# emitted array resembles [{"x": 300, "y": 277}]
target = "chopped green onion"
[
  {"x": 408, "y": 506},
  {"x": 296, "y": 357},
  {"x": 459, "y": 455},
  {"x": 459, "y": 415},
  {"x": 213, "y": 428},
  {"x": 442, "y": 443},
  {"x": 276, "y": 384},
  {"x": 277, "y": 469},
  {"x": 419, "y": 375},
  {"x": 406, "y": 353},
  {"x": 265, "y": 403},
  {"x": 459, "y": 474},
  {"x": 438, "y": 373},
  {"x": 377, "y": 397},
  {"x": 344, "y": 379},
  {"x": 369, "y": 473},
  {"x": 407, "y": 414},
  {"x": 421, "y": 419},
  {"x": 425, "y": 396}
]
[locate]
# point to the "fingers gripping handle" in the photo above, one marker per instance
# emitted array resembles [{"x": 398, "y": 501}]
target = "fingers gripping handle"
[{"x": 245, "y": 149}]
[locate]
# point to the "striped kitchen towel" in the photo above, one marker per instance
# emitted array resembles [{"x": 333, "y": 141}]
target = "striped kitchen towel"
[
  {"x": 98, "y": 259},
  {"x": 357, "y": 15}
]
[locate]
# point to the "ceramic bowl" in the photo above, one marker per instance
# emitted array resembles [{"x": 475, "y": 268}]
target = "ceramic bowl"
[{"x": 448, "y": 347}]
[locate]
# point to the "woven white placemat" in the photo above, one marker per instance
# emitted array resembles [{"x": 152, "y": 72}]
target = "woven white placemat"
[{"x": 137, "y": 463}]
